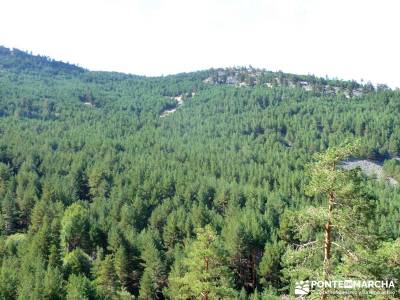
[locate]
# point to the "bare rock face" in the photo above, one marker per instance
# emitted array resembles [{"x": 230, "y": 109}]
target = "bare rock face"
[{"x": 370, "y": 168}]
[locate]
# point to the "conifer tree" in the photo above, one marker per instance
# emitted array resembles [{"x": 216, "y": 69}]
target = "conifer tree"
[
  {"x": 54, "y": 257},
  {"x": 340, "y": 227},
  {"x": 77, "y": 262},
  {"x": 154, "y": 274},
  {"x": 9, "y": 215},
  {"x": 53, "y": 284},
  {"x": 75, "y": 228},
  {"x": 79, "y": 287},
  {"x": 5, "y": 174},
  {"x": 204, "y": 272},
  {"x": 328, "y": 179},
  {"x": 106, "y": 278},
  {"x": 9, "y": 278},
  {"x": 270, "y": 265},
  {"x": 126, "y": 267}
]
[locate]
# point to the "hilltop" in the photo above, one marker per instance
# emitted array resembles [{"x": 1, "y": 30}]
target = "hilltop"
[
  {"x": 41, "y": 71},
  {"x": 15, "y": 60}
]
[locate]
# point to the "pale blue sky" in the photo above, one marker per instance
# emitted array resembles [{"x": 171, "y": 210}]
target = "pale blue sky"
[{"x": 350, "y": 39}]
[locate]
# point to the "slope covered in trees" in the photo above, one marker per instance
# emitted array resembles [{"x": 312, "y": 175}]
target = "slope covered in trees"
[{"x": 101, "y": 198}]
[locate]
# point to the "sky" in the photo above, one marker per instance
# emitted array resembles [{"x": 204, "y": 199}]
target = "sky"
[{"x": 347, "y": 39}]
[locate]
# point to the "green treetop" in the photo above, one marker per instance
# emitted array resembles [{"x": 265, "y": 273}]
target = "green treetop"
[{"x": 204, "y": 273}]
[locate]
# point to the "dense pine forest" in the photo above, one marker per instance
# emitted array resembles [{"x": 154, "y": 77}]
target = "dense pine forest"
[{"x": 214, "y": 184}]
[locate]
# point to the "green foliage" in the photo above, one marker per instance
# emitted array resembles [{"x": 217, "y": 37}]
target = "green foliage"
[
  {"x": 9, "y": 216},
  {"x": 204, "y": 270},
  {"x": 74, "y": 228},
  {"x": 347, "y": 213},
  {"x": 53, "y": 284},
  {"x": 14, "y": 241},
  {"x": 77, "y": 262},
  {"x": 97, "y": 186},
  {"x": 270, "y": 265},
  {"x": 392, "y": 168},
  {"x": 326, "y": 176},
  {"x": 9, "y": 280},
  {"x": 106, "y": 279},
  {"x": 154, "y": 274},
  {"x": 79, "y": 287}
]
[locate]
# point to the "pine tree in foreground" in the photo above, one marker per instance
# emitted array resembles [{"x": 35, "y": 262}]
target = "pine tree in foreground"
[
  {"x": 326, "y": 238},
  {"x": 203, "y": 272}
]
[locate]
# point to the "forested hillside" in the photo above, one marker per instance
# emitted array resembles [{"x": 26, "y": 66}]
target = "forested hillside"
[{"x": 105, "y": 196}]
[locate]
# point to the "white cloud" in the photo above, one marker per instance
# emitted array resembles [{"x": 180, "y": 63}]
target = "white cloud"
[{"x": 347, "y": 39}]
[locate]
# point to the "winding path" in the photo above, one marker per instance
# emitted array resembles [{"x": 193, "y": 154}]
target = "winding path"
[{"x": 179, "y": 101}]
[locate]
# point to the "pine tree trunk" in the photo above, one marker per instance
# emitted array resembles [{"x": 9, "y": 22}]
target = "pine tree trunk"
[{"x": 328, "y": 242}]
